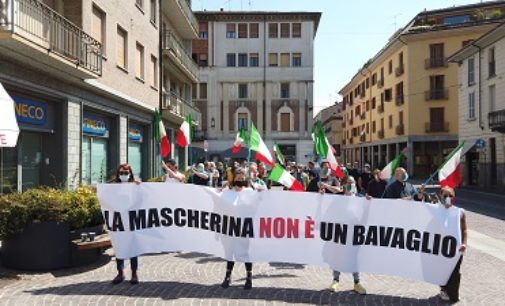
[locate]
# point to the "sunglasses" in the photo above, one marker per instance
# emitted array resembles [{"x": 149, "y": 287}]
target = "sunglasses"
[{"x": 124, "y": 172}]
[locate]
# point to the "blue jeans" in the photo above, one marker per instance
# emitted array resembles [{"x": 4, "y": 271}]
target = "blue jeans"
[
  {"x": 134, "y": 263},
  {"x": 355, "y": 275}
]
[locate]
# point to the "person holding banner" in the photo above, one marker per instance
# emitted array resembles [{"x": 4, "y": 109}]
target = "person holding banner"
[
  {"x": 173, "y": 175},
  {"x": 450, "y": 291},
  {"x": 124, "y": 174},
  {"x": 400, "y": 188},
  {"x": 239, "y": 183},
  {"x": 199, "y": 175},
  {"x": 349, "y": 190},
  {"x": 376, "y": 186}
]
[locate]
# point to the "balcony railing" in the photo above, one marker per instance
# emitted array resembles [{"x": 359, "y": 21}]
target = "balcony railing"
[
  {"x": 180, "y": 52},
  {"x": 437, "y": 127},
  {"x": 180, "y": 107},
  {"x": 380, "y": 134},
  {"x": 40, "y": 24},
  {"x": 380, "y": 83},
  {"x": 436, "y": 94},
  {"x": 399, "y": 100},
  {"x": 186, "y": 7},
  {"x": 399, "y": 70},
  {"x": 400, "y": 129},
  {"x": 497, "y": 121},
  {"x": 435, "y": 62}
]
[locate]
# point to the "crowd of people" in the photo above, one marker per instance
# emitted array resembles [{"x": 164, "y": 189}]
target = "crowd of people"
[{"x": 314, "y": 177}]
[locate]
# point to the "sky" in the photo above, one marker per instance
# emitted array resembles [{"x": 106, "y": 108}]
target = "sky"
[{"x": 350, "y": 32}]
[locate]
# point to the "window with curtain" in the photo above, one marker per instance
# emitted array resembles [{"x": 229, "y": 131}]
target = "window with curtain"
[
  {"x": 272, "y": 60},
  {"x": 139, "y": 62},
  {"x": 284, "y": 59},
  {"x": 121, "y": 48},
  {"x": 273, "y": 31}
]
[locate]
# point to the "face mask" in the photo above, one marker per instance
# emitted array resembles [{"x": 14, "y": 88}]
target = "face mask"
[
  {"x": 446, "y": 200},
  {"x": 200, "y": 170},
  {"x": 239, "y": 183},
  {"x": 405, "y": 177},
  {"x": 124, "y": 178},
  {"x": 349, "y": 187}
]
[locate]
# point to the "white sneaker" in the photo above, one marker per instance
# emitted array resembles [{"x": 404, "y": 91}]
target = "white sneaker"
[{"x": 444, "y": 296}]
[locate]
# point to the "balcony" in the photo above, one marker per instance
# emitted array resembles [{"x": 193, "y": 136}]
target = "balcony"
[
  {"x": 400, "y": 129},
  {"x": 380, "y": 83},
  {"x": 435, "y": 62},
  {"x": 362, "y": 138},
  {"x": 380, "y": 134},
  {"x": 33, "y": 32},
  {"x": 497, "y": 121},
  {"x": 180, "y": 14},
  {"x": 179, "y": 108},
  {"x": 436, "y": 94},
  {"x": 399, "y": 100},
  {"x": 351, "y": 140},
  {"x": 362, "y": 116},
  {"x": 399, "y": 70},
  {"x": 437, "y": 127},
  {"x": 180, "y": 56},
  {"x": 380, "y": 108}
]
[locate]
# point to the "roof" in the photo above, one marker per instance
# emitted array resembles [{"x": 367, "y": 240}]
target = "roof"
[
  {"x": 258, "y": 15},
  {"x": 484, "y": 41}
]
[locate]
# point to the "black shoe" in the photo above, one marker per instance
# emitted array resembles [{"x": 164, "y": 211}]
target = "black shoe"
[
  {"x": 248, "y": 284},
  {"x": 226, "y": 283},
  {"x": 118, "y": 279},
  {"x": 135, "y": 279}
]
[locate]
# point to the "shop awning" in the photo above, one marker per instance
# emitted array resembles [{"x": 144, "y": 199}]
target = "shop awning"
[{"x": 9, "y": 129}]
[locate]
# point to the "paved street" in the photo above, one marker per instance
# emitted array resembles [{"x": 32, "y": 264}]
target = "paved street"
[{"x": 193, "y": 279}]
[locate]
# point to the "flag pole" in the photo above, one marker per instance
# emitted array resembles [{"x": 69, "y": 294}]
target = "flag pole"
[
  {"x": 432, "y": 176},
  {"x": 249, "y": 145}
]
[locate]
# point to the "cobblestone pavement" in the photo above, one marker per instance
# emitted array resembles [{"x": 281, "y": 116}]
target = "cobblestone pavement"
[{"x": 194, "y": 279}]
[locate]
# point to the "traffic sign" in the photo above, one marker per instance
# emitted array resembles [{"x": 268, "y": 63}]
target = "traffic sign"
[{"x": 480, "y": 143}]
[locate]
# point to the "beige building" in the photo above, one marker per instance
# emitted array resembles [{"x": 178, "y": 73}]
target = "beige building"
[
  {"x": 407, "y": 94},
  {"x": 482, "y": 109},
  {"x": 331, "y": 119},
  {"x": 85, "y": 77},
  {"x": 256, "y": 67}
]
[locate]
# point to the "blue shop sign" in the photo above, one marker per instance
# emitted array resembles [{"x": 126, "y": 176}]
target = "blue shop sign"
[
  {"x": 30, "y": 112},
  {"x": 135, "y": 133},
  {"x": 95, "y": 125}
]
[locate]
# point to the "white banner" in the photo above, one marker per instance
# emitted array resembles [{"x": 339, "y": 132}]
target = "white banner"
[{"x": 350, "y": 234}]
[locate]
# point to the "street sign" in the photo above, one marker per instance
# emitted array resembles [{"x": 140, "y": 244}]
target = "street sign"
[
  {"x": 205, "y": 145},
  {"x": 480, "y": 143}
]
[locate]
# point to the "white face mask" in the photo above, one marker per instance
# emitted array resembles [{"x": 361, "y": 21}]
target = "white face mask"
[{"x": 124, "y": 178}]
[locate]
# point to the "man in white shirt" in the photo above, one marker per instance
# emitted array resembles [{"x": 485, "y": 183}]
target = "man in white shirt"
[{"x": 173, "y": 175}]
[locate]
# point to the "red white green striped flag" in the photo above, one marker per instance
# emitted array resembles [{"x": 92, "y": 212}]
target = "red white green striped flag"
[
  {"x": 240, "y": 140},
  {"x": 449, "y": 175},
  {"x": 281, "y": 176},
  {"x": 323, "y": 149},
  {"x": 278, "y": 154},
  {"x": 257, "y": 144},
  {"x": 388, "y": 171},
  {"x": 160, "y": 134},
  {"x": 184, "y": 133}
]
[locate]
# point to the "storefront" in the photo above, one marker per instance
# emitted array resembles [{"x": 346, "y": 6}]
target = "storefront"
[
  {"x": 36, "y": 160},
  {"x": 137, "y": 149},
  {"x": 99, "y": 147}
]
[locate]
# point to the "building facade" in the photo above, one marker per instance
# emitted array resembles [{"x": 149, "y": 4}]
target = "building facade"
[
  {"x": 85, "y": 78},
  {"x": 256, "y": 68},
  {"x": 331, "y": 119},
  {"x": 405, "y": 99},
  {"x": 482, "y": 109}
]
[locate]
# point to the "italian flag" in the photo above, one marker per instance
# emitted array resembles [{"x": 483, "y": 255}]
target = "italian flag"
[
  {"x": 281, "y": 176},
  {"x": 160, "y": 135},
  {"x": 278, "y": 154},
  {"x": 184, "y": 133},
  {"x": 449, "y": 174},
  {"x": 388, "y": 171},
  {"x": 239, "y": 141},
  {"x": 323, "y": 149},
  {"x": 257, "y": 144}
]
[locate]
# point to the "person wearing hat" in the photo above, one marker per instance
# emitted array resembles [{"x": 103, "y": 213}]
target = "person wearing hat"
[
  {"x": 172, "y": 174},
  {"x": 365, "y": 178}
]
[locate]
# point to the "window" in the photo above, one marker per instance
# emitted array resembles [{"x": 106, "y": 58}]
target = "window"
[
  {"x": 153, "y": 11},
  {"x": 242, "y": 91},
  {"x": 367, "y": 83},
  {"x": 139, "y": 62},
  {"x": 230, "y": 30},
  {"x": 204, "y": 30},
  {"x": 368, "y": 128},
  {"x": 285, "y": 30},
  {"x": 273, "y": 31},
  {"x": 390, "y": 121},
  {"x": 436, "y": 56},
  {"x": 285, "y": 90},
  {"x": 390, "y": 67},
  {"x": 400, "y": 59},
  {"x": 122, "y": 48},
  {"x": 284, "y": 59},
  {"x": 242, "y": 30},
  {"x": 456, "y": 19},
  {"x": 437, "y": 120},
  {"x": 399, "y": 92},
  {"x": 154, "y": 70},
  {"x": 242, "y": 121},
  {"x": 272, "y": 60},
  {"x": 400, "y": 118},
  {"x": 242, "y": 59},
  {"x": 492, "y": 98},
  {"x": 230, "y": 60},
  {"x": 437, "y": 83},
  {"x": 374, "y": 127},
  {"x": 367, "y": 105},
  {"x": 285, "y": 122},
  {"x": 203, "y": 90},
  {"x": 254, "y": 60},
  {"x": 297, "y": 30},
  {"x": 254, "y": 30},
  {"x": 373, "y": 103},
  {"x": 202, "y": 60},
  {"x": 471, "y": 71},
  {"x": 471, "y": 105},
  {"x": 193, "y": 92},
  {"x": 382, "y": 124},
  {"x": 382, "y": 74},
  {"x": 297, "y": 59},
  {"x": 98, "y": 26},
  {"x": 374, "y": 79},
  {"x": 491, "y": 63},
  {"x": 388, "y": 94}
]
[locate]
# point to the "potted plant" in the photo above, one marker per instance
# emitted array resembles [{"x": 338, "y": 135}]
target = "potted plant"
[{"x": 36, "y": 225}]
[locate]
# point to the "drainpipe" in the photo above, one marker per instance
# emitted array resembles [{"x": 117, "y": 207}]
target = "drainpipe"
[
  {"x": 264, "y": 72},
  {"x": 481, "y": 123},
  {"x": 160, "y": 56}
]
